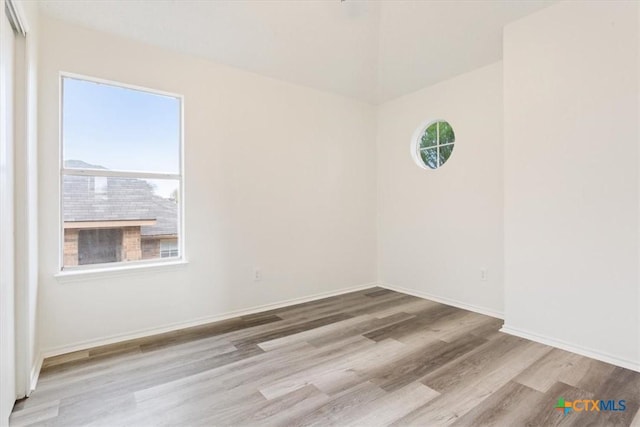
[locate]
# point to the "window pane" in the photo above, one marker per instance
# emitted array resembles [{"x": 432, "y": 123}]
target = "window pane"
[
  {"x": 445, "y": 153},
  {"x": 111, "y": 127},
  {"x": 169, "y": 248},
  {"x": 118, "y": 219},
  {"x": 429, "y": 137},
  {"x": 434, "y": 145},
  {"x": 430, "y": 157},
  {"x": 446, "y": 133}
]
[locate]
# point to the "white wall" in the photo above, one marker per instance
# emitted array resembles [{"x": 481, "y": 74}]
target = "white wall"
[
  {"x": 303, "y": 210},
  {"x": 559, "y": 217},
  {"x": 438, "y": 228},
  {"x": 571, "y": 178}
]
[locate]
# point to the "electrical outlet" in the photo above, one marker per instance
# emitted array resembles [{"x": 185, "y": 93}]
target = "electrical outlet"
[
  {"x": 257, "y": 275},
  {"x": 484, "y": 274}
]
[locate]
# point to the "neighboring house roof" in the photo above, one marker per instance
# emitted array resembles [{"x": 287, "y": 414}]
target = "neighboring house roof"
[{"x": 88, "y": 198}]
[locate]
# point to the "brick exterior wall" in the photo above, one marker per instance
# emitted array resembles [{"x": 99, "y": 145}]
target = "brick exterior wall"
[
  {"x": 134, "y": 246},
  {"x": 131, "y": 247},
  {"x": 70, "y": 247},
  {"x": 150, "y": 248}
]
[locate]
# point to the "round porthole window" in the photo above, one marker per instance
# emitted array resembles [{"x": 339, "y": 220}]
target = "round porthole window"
[{"x": 432, "y": 144}]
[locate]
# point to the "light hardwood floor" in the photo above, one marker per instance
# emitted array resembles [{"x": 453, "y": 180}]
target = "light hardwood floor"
[{"x": 368, "y": 358}]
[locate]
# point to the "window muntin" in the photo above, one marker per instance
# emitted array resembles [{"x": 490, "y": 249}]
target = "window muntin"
[
  {"x": 121, "y": 174},
  {"x": 169, "y": 248},
  {"x": 433, "y": 144}
]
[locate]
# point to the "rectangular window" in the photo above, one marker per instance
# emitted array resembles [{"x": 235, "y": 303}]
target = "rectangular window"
[
  {"x": 169, "y": 248},
  {"x": 121, "y": 174}
]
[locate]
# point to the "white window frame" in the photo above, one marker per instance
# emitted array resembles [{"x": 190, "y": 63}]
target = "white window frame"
[
  {"x": 122, "y": 265},
  {"x": 415, "y": 143}
]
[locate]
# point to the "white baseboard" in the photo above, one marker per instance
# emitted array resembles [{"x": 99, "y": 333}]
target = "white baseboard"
[
  {"x": 35, "y": 374},
  {"x": 84, "y": 345},
  {"x": 563, "y": 345},
  {"x": 141, "y": 333},
  {"x": 573, "y": 348},
  {"x": 443, "y": 300}
]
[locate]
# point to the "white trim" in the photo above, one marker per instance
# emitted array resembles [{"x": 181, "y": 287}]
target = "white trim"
[
  {"x": 84, "y": 345},
  {"x": 25, "y": 158},
  {"x": 444, "y": 300},
  {"x": 119, "y": 84},
  {"x": 16, "y": 17},
  {"x": 35, "y": 374},
  {"x": 182, "y": 236},
  {"x": 573, "y": 348},
  {"x": 110, "y": 270},
  {"x": 118, "y": 173},
  {"x": 439, "y": 145},
  {"x": 60, "y": 176},
  {"x": 553, "y": 342}
]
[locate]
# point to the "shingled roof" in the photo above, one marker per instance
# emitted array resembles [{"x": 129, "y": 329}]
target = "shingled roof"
[{"x": 88, "y": 198}]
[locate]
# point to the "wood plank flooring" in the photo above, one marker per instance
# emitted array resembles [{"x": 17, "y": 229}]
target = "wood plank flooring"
[{"x": 368, "y": 358}]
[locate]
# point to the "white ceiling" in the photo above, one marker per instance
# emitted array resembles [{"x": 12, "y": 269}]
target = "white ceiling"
[{"x": 370, "y": 50}]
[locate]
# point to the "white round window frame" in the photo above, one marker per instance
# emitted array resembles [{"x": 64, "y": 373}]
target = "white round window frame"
[{"x": 415, "y": 143}]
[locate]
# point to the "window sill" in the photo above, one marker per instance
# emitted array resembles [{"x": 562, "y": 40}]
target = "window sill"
[{"x": 121, "y": 270}]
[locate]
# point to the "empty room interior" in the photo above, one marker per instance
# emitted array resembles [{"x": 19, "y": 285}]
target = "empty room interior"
[{"x": 320, "y": 212}]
